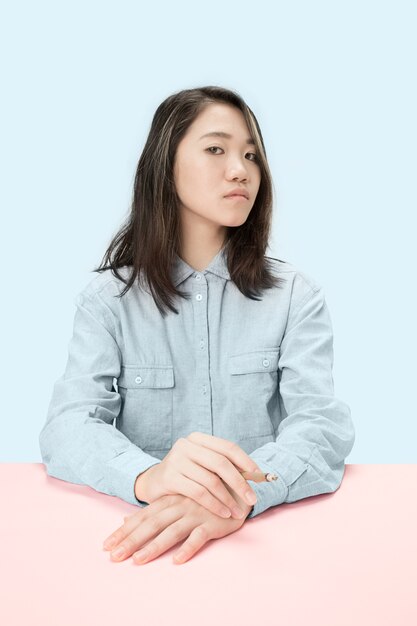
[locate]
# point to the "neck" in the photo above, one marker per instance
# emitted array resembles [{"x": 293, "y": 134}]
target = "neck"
[{"x": 200, "y": 245}]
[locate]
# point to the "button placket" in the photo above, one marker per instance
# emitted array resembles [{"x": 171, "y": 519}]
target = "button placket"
[{"x": 201, "y": 348}]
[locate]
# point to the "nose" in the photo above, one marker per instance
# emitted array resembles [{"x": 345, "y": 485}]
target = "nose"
[{"x": 236, "y": 168}]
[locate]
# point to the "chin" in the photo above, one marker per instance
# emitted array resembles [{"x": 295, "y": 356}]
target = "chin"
[{"x": 238, "y": 221}]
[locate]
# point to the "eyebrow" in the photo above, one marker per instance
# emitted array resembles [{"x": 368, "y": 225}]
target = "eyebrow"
[{"x": 220, "y": 133}]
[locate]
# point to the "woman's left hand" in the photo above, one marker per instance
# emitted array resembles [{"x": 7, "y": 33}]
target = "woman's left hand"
[{"x": 166, "y": 521}]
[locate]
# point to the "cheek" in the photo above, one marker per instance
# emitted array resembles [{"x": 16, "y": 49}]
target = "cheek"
[
  {"x": 256, "y": 177},
  {"x": 196, "y": 183},
  {"x": 189, "y": 187}
]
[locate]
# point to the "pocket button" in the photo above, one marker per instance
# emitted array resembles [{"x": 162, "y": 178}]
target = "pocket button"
[
  {"x": 265, "y": 362},
  {"x": 138, "y": 380}
]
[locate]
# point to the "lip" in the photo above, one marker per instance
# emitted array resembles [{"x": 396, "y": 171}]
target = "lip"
[{"x": 238, "y": 192}]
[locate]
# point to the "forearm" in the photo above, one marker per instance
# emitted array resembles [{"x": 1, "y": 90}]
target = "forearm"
[{"x": 76, "y": 449}]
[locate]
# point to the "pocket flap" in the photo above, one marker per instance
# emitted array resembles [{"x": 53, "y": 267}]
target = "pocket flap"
[
  {"x": 260, "y": 361},
  {"x": 140, "y": 376}
]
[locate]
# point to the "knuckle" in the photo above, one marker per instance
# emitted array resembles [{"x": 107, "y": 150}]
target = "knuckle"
[
  {"x": 154, "y": 523},
  {"x": 213, "y": 480},
  {"x": 177, "y": 535},
  {"x": 232, "y": 446},
  {"x": 224, "y": 464},
  {"x": 199, "y": 492},
  {"x": 201, "y": 533}
]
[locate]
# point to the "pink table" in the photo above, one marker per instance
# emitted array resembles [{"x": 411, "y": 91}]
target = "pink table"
[{"x": 342, "y": 559}]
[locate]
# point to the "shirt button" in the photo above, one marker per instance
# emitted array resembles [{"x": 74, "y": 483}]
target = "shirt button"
[
  {"x": 138, "y": 380},
  {"x": 201, "y": 344},
  {"x": 265, "y": 362},
  {"x": 198, "y": 277},
  {"x": 199, "y": 297}
]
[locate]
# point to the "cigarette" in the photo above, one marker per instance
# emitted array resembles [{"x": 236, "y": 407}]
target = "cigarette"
[{"x": 259, "y": 477}]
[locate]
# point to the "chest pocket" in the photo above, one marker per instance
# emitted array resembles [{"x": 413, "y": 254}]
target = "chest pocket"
[
  {"x": 147, "y": 400},
  {"x": 254, "y": 391}
]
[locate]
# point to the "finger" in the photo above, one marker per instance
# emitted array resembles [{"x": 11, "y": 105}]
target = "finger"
[
  {"x": 229, "y": 449},
  {"x": 118, "y": 535},
  {"x": 207, "y": 489},
  {"x": 177, "y": 531},
  {"x": 197, "y": 539},
  {"x": 131, "y": 521},
  {"x": 147, "y": 528},
  {"x": 220, "y": 464}
]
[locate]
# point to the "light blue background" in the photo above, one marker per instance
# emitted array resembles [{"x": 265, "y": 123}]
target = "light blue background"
[{"x": 333, "y": 87}]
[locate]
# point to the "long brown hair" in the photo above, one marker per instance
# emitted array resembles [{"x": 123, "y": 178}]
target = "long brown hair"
[{"x": 150, "y": 236}]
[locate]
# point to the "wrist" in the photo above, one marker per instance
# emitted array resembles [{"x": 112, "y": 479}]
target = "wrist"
[
  {"x": 138, "y": 489},
  {"x": 141, "y": 486}
]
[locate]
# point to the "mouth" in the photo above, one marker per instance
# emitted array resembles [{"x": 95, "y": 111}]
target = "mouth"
[{"x": 238, "y": 192}]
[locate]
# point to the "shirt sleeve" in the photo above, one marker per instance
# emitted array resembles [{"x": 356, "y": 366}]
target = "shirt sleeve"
[
  {"x": 79, "y": 442},
  {"x": 316, "y": 432}
]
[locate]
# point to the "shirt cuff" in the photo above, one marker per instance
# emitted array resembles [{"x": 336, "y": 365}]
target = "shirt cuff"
[
  {"x": 125, "y": 469},
  {"x": 268, "y": 493}
]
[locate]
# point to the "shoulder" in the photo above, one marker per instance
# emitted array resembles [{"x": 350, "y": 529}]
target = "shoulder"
[
  {"x": 104, "y": 285},
  {"x": 300, "y": 282},
  {"x": 99, "y": 296},
  {"x": 304, "y": 293}
]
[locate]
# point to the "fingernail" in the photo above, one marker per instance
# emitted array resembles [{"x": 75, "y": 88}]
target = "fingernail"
[
  {"x": 225, "y": 513},
  {"x": 109, "y": 543},
  {"x": 250, "y": 497},
  {"x": 238, "y": 512},
  {"x": 180, "y": 556},
  {"x": 118, "y": 552},
  {"x": 142, "y": 554}
]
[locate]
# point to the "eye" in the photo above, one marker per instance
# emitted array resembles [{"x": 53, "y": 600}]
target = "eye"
[{"x": 252, "y": 154}]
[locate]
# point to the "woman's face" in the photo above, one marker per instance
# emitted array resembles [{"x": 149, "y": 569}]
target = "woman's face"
[{"x": 206, "y": 169}]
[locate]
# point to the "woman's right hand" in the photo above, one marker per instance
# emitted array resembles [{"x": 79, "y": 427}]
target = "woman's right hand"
[{"x": 196, "y": 466}]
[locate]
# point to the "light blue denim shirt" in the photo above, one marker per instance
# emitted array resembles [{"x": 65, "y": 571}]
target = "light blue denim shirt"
[{"x": 258, "y": 373}]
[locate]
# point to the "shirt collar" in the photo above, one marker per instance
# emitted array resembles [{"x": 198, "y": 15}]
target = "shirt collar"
[{"x": 218, "y": 265}]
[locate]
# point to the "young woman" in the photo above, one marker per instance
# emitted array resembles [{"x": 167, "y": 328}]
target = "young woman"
[{"x": 197, "y": 357}]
